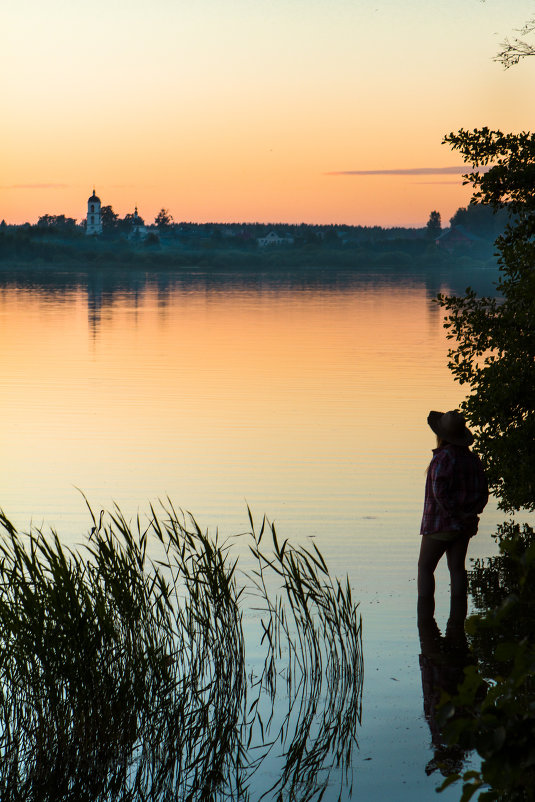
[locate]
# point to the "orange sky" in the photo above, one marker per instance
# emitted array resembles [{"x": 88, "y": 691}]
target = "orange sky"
[{"x": 240, "y": 111}]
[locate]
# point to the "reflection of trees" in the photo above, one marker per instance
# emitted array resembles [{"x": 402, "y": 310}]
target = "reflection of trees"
[
  {"x": 113, "y": 280},
  {"x": 493, "y": 709},
  {"x": 502, "y": 593},
  {"x": 125, "y": 677}
]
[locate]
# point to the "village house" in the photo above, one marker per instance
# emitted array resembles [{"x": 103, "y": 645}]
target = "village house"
[
  {"x": 274, "y": 239},
  {"x": 455, "y": 237}
]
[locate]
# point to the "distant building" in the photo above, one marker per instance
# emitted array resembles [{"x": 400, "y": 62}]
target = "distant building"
[
  {"x": 274, "y": 239},
  {"x": 139, "y": 229},
  {"x": 457, "y": 236},
  {"x": 94, "y": 218}
]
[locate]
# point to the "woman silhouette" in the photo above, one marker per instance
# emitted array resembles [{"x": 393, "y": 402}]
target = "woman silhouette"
[{"x": 456, "y": 492}]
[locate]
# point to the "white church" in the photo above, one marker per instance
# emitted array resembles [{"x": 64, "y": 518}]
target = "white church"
[
  {"x": 138, "y": 228},
  {"x": 94, "y": 217}
]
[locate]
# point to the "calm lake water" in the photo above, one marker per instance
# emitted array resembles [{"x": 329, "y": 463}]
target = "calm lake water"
[{"x": 305, "y": 398}]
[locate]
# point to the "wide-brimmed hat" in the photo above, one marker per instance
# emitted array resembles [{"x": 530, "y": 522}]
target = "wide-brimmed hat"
[{"x": 451, "y": 426}]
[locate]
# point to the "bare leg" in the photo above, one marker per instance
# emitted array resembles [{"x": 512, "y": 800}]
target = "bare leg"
[
  {"x": 430, "y": 553},
  {"x": 425, "y": 612},
  {"x": 456, "y": 554}
]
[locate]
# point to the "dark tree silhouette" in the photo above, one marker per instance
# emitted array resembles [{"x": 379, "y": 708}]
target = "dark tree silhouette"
[
  {"x": 57, "y": 221},
  {"x": 481, "y": 219},
  {"x": 109, "y": 218},
  {"x": 434, "y": 225},
  {"x": 163, "y": 219},
  {"x": 494, "y": 351}
]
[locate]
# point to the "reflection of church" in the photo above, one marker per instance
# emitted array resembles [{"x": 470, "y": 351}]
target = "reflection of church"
[{"x": 94, "y": 217}]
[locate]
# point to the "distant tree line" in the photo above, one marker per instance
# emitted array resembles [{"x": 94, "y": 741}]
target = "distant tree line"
[
  {"x": 57, "y": 237},
  {"x": 478, "y": 218},
  {"x": 481, "y": 219},
  {"x": 57, "y": 222}
]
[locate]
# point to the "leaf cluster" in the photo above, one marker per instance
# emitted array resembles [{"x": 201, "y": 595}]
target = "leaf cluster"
[
  {"x": 509, "y": 162},
  {"x": 494, "y": 338}
]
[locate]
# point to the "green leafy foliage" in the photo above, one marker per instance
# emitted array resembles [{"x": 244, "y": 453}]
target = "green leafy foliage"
[
  {"x": 494, "y": 708},
  {"x": 494, "y": 351}
]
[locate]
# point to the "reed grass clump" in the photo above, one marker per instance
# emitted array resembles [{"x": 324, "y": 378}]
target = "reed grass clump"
[{"x": 124, "y": 668}]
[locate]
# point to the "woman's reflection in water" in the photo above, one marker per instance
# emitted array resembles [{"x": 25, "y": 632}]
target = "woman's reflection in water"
[{"x": 442, "y": 662}]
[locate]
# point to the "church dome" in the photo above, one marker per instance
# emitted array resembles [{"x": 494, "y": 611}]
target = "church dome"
[{"x": 94, "y": 198}]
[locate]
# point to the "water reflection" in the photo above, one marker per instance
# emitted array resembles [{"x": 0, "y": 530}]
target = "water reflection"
[
  {"x": 212, "y": 388},
  {"x": 443, "y": 659},
  {"x": 105, "y": 285},
  {"x": 302, "y": 394}
]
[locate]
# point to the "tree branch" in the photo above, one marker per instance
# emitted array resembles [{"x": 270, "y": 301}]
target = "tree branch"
[{"x": 518, "y": 49}]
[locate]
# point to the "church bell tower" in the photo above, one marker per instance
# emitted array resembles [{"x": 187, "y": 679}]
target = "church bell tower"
[{"x": 94, "y": 219}]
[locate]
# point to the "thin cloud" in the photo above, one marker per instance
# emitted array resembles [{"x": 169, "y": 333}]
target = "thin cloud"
[
  {"x": 37, "y": 186},
  {"x": 436, "y": 183},
  {"x": 410, "y": 171}
]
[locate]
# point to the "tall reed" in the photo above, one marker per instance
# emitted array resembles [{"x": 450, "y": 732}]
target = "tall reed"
[{"x": 124, "y": 668}]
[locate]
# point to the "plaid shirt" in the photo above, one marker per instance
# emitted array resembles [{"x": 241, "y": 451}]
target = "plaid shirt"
[{"x": 456, "y": 491}]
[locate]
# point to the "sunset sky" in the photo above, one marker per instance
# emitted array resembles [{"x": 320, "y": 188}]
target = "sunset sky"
[{"x": 318, "y": 111}]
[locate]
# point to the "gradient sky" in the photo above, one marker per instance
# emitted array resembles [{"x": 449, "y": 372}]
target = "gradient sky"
[{"x": 312, "y": 111}]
